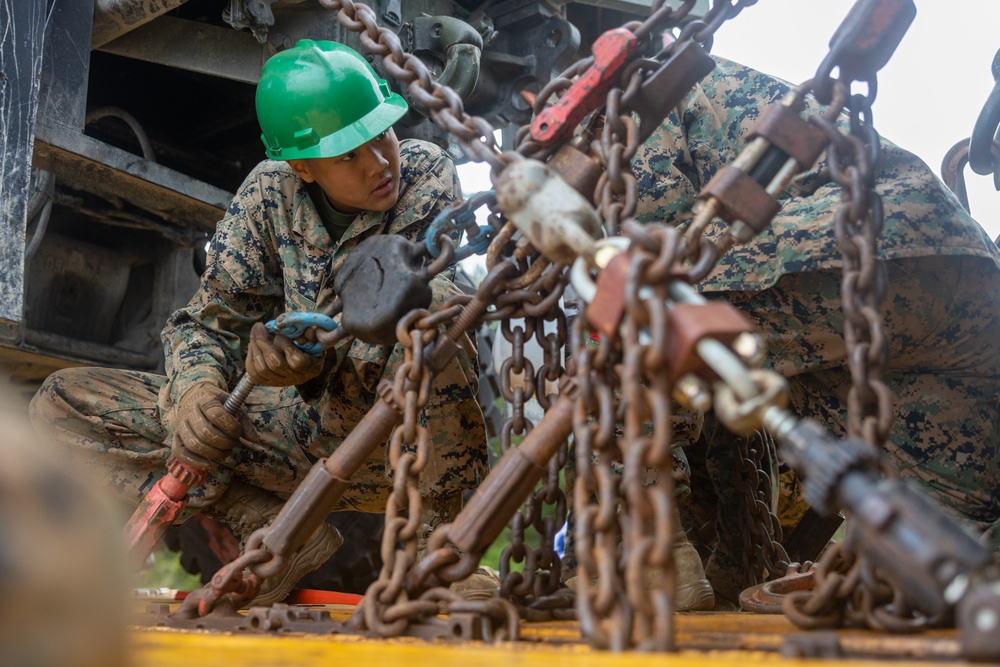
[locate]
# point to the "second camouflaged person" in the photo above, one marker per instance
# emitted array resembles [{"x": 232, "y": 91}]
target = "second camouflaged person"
[
  {"x": 337, "y": 175},
  {"x": 941, "y": 311}
]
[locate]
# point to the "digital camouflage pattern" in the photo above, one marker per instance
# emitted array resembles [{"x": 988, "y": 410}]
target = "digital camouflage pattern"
[
  {"x": 271, "y": 253},
  {"x": 710, "y": 129},
  {"x": 941, "y": 310}
]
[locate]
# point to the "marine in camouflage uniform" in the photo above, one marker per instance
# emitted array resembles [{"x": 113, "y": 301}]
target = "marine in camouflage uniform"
[
  {"x": 941, "y": 313},
  {"x": 274, "y": 252}
]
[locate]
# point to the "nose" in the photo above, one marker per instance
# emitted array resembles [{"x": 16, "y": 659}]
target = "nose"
[{"x": 377, "y": 160}]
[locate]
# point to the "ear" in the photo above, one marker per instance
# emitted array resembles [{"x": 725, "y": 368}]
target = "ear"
[{"x": 301, "y": 168}]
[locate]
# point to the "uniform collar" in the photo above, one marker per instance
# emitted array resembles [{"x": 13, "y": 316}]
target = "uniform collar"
[{"x": 309, "y": 224}]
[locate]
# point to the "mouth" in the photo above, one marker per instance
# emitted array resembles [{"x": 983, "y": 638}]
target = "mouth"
[{"x": 383, "y": 188}]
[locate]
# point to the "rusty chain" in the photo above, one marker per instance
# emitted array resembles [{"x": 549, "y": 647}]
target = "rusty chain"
[
  {"x": 853, "y": 162},
  {"x": 534, "y": 589},
  {"x": 849, "y": 592},
  {"x": 386, "y": 606},
  {"x": 647, "y": 509},
  {"x": 405, "y": 594},
  {"x": 602, "y": 618},
  {"x": 858, "y": 222},
  {"x": 762, "y": 533},
  {"x": 610, "y": 512}
]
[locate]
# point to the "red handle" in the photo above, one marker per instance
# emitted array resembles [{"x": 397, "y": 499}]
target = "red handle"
[
  {"x": 160, "y": 508},
  {"x": 612, "y": 51}
]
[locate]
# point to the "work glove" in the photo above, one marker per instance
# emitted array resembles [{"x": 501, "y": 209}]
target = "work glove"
[
  {"x": 204, "y": 431},
  {"x": 273, "y": 360}
]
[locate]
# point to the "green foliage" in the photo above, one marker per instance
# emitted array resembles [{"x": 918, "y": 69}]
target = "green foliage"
[
  {"x": 532, "y": 539},
  {"x": 165, "y": 571}
]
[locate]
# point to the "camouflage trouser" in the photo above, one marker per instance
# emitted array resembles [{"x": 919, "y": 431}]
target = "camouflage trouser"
[
  {"x": 114, "y": 421},
  {"x": 942, "y": 319}
]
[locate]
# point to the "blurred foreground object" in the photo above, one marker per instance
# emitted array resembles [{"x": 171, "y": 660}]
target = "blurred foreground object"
[{"x": 62, "y": 566}]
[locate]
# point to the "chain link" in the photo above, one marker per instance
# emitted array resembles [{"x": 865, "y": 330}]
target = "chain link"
[
  {"x": 603, "y": 618},
  {"x": 608, "y": 513},
  {"x": 647, "y": 509},
  {"x": 859, "y": 596},
  {"x": 387, "y": 607}
]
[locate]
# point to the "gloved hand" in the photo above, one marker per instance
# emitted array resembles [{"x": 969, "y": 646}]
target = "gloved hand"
[
  {"x": 273, "y": 360},
  {"x": 203, "y": 431}
]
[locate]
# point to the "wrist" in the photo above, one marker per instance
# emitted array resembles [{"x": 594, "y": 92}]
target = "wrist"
[{"x": 183, "y": 384}]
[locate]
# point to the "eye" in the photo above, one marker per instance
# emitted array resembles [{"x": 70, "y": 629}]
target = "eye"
[
  {"x": 347, "y": 157},
  {"x": 381, "y": 136}
]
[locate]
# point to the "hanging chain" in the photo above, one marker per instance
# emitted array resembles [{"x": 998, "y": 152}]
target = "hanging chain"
[
  {"x": 853, "y": 162},
  {"x": 386, "y": 607},
  {"x": 858, "y": 222},
  {"x": 534, "y": 589},
  {"x": 603, "y": 619},
  {"x": 647, "y": 514},
  {"x": 617, "y": 192},
  {"x": 762, "y": 548}
]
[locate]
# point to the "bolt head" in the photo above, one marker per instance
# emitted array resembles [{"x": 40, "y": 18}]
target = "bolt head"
[
  {"x": 986, "y": 619},
  {"x": 750, "y": 348}
]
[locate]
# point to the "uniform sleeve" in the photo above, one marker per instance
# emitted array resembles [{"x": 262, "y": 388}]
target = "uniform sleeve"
[
  {"x": 453, "y": 417},
  {"x": 429, "y": 185},
  {"x": 706, "y": 132},
  {"x": 206, "y": 340}
]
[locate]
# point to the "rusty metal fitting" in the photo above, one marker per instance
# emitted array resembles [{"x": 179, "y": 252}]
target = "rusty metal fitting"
[
  {"x": 745, "y": 416},
  {"x": 750, "y": 347},
  {"x": 553, "y": 216},
  {"x": 694, "y": 392},
  {"x": 184, "y": 473}
]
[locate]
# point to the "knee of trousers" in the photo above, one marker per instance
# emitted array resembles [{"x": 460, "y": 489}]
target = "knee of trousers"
[{"x": 49, "y": 401}]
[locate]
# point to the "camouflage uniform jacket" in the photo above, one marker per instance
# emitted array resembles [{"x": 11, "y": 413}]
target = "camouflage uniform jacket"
[
  {"x": 708, "y": 131},
  {"x": 271, "y": 253}
]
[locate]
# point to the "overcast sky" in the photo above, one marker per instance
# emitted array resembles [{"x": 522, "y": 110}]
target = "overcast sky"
[{"x": 929, "y": 94}]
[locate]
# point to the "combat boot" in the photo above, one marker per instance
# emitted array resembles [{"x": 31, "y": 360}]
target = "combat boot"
[
  {"x": 245, "y": 509},
  {"x": 693, "y": 593},
  {"x": 484, "y": 582}
]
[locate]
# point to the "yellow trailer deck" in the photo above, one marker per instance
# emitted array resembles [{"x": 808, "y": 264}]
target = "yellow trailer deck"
[{"x": 702, "y": 638}]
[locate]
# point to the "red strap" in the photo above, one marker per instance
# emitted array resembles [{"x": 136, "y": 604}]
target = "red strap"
[{"x": 308, "y": 596}]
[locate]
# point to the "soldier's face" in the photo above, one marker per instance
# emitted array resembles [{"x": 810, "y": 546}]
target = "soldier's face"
[{"x": 366, "y": 179}]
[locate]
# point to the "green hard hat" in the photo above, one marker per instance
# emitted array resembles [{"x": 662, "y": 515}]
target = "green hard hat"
[{"x": 322, "y": 99}]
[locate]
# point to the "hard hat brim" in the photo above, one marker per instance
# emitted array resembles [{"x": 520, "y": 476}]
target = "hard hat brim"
[{"x": 350, "y": 137}]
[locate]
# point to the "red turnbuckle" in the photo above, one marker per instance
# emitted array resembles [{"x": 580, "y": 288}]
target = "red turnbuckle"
[{"x": 160, "y": 508}]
